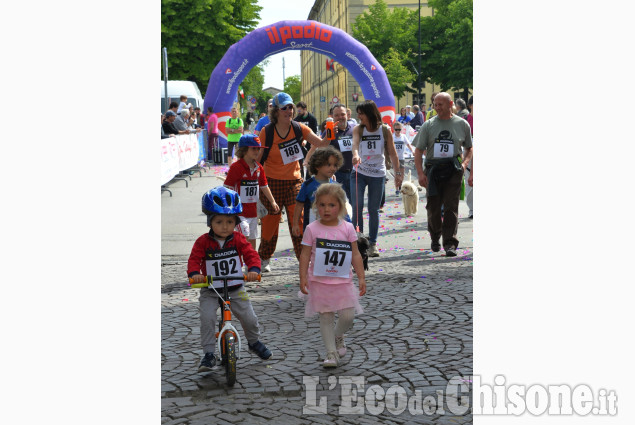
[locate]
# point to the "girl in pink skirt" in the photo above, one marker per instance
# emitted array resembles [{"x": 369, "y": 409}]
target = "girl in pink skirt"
[{"x": 329, "y": 247}]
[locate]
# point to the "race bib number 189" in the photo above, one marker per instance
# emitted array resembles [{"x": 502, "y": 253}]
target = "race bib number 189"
[{"x": 332, "y": 258}]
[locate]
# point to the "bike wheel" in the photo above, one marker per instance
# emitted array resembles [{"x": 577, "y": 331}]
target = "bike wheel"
[{"x": 229, "y": 346}]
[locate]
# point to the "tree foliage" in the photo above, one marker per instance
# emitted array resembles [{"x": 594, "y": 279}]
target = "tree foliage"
[
  {"x": 293, "y": 87},
  {"x": 392, "y": 36},
  {"x": 197, "y": 33},
  {"x": 446, "y": 45},
  {"x": 388, "y": 34}
]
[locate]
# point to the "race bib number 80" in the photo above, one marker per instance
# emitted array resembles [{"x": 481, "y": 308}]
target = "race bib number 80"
[{"x": 333, "y": 258}]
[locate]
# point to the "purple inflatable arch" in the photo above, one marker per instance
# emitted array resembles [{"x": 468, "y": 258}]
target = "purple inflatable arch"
[{"x": 296, "y": 35}]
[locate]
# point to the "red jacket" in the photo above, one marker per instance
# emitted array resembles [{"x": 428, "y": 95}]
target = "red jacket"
[{"x": 196, "y": 262}]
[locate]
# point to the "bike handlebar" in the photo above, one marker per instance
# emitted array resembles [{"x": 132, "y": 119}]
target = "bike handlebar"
[{"x": 206, "y": 285}]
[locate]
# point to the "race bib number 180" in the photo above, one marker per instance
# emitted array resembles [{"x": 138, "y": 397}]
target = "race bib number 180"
[{"x": 333, "y": 258}]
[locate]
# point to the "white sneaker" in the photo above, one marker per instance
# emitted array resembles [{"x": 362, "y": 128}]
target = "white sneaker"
[
  {"x": 265, "y": 266},
  {"x": 372, "y": 251},
  {"x": 340, "y": 345},
  {"x": 331, "y": 360}
]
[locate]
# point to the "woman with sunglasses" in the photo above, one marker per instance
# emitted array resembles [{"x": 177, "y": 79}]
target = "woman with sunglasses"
[
  {"x": 371, "y": 142},
  {"x": 282, "y": 168}
]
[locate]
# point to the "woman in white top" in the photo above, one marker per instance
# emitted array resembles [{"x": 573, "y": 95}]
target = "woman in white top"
[{"x": 371, "y": 141}]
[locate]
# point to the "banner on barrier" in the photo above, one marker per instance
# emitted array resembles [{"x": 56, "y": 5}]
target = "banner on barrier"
[{"x": 177, "y": 154}]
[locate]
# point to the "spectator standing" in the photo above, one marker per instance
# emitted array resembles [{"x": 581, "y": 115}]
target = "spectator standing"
[
  {"x": 469, "y": 170},
  {"x": 234, "y": 128},
  {"x": 182, "y": 120},
  {"x": 418, "y": 119},
  {"x": 263, "y": 121},
  {"x": 432, "y": 112},
  {"x": 440, "y": 140},
  {"x": 409, "y": 112},
  {"x": 212, "y": 132},
  {"x": 168, "y": 124},
  {"x": 182, "y": 104},
  {"x": 353, "y": 122},
  {"x": 404, "y": 118},
  {"x": 461, "y": 108}
]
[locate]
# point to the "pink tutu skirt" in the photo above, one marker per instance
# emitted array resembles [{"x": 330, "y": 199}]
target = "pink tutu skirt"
[{"x": 323, "y": 298}]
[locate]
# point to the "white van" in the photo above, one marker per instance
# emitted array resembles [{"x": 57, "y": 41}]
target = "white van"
[{"x": 178, "y": 88}]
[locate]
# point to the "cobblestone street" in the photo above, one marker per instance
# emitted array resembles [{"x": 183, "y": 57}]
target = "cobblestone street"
[{"x": 415, "y": 333}]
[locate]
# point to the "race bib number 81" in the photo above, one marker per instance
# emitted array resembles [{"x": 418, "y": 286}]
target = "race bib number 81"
[{"x": 332, "y": 258}]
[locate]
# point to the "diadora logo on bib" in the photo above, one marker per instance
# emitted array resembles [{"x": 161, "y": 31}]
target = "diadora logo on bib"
[{"x": 313, "y": 31}]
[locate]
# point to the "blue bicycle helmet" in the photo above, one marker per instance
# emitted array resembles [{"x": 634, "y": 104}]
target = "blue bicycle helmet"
[{"x": 221, "y": 200}]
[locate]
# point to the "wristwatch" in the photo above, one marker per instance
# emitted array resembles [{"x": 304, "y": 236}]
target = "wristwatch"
[{"x": 398, "y": 173}]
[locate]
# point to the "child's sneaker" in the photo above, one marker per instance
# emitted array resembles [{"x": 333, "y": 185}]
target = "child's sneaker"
[
  {"x": 260, "y": 349},
  {"x": 208, "y": 362},
  {"x": 331, "y": 360},
  {"x": 340, "y": 345}
]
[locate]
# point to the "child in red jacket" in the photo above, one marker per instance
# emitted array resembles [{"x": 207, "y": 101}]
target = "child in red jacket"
[
  {"x": 247, "y": 177},
  {"x": 220, "y": 253}
]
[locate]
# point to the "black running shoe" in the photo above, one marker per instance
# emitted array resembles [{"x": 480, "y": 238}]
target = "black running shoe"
[
  {"x": 208, "y": 362},
  {"x": 260, "y": 349}
]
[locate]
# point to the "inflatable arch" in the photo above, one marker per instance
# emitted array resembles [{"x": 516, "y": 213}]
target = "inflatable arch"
[{"x": 296, "y": 35}]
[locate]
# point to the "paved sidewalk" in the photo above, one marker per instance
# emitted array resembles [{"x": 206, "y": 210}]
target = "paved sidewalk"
[{"x": 415, "y": 333}]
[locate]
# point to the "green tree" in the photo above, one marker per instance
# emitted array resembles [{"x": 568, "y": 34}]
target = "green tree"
[
  {"x": 197, "y": 33},
  {"x": 388, "y": 36},
  {"x": 446, "y": 45},
  {"x": 293, "y": 87}
]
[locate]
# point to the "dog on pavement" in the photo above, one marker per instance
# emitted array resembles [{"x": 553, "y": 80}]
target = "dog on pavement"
[
  {"x": 410, "y": 196},
  {"x": 362, "y": 245}
]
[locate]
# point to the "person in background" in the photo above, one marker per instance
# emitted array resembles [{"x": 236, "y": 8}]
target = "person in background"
[
  {"x": 264, "y": 120},
  {"x": 461, "y": 108},
  {"x": 212, "y": 132},
  {"x": 431, "y": 112},
  {"x": 168, "y": 124},
  {"x": 352, "y": 121},
  {"x": 182, "y": 104},
  {"x": 234, "y": 127},
  {"x": 417, "y": 121}
]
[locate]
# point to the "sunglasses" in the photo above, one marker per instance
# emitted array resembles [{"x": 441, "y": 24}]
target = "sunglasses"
[
  {"x": 397, "y": 129},
  {"x": 284, "y": 108}
]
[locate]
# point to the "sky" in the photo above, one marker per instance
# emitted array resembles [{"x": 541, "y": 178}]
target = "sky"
[{"x": 272, "y": 12}]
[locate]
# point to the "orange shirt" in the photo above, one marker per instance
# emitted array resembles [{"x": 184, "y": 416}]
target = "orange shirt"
[{"x": 274, "y": 167}]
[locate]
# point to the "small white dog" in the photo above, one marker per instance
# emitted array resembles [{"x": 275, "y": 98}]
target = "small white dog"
[{"x": 410, "y": 196}]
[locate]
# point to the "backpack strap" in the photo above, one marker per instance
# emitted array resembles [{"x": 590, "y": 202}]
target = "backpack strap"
[
  {"x": 269, "y": 128},
  {"x": 268, "y": 142}
]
